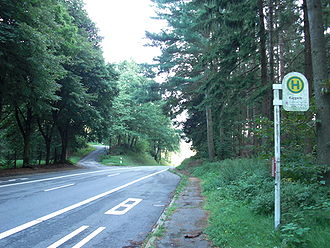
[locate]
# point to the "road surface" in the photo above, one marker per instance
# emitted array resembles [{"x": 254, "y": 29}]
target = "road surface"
[{"x": 95, "y": 206}]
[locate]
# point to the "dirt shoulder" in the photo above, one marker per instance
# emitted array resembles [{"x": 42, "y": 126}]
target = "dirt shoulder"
[{"x": 185, "y": 226}]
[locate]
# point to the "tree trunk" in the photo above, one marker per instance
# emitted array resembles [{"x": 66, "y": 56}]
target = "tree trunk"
[
  {"x": 132, "y": 142},
  {"x": 15, "y": 159},
  {"x": 210, "y": 135},
  {"x": 26, "y": 150},
  {"x": 47, "y": 134},
  {"x": 64, "y": 141},
  {"x": 281, "y": 64},
  {"x": 135, "y": 141},
  {"x": 271, "y": 49},
  {"x": 308, "y": 51},
  {"x": 110, "y": 144},
  {"x": 119, "y": 140},
  {"x": 40, "y": 157},
  {"x": 321, "y": 81},
  {"x": 1, "y": 103},
  {"x": 48, "y": 146},
  {"x": 25, "y": 126},
  {"x": 55, "y": 156},
  {"x": 158, "y": 155},
  {"x": 263, "y": 59},
  {"x": 308, "y": 73},
  {"x": 221, "y": 140}
]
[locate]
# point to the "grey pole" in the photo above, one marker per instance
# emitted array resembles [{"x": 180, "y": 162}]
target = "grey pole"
[{"x": 277, "y": 139}]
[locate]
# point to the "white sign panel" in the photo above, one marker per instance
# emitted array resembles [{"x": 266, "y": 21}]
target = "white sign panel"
[{"x": 295, "y": 92}]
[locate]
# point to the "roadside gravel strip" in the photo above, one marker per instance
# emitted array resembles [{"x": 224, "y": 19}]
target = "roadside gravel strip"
[
  {"x": 185, "y": 227},
  {"x": 64, "y": 210}
]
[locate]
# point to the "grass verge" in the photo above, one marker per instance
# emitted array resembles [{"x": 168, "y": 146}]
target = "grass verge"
[
  {"x": 239, "y": 197},
  {"x": 130, "y": 158}
]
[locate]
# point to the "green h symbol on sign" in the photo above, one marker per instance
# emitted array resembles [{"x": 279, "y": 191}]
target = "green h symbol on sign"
[{"x": 295, "y": 85}]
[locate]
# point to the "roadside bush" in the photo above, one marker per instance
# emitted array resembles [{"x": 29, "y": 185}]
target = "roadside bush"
[
  {"x": 293, "y": 235},
  {"x": 230, "y": 170},
  {"x": 245, "y": 186},
  {"x": 296, "y": 196},
  {"x": 303, "y": 170}
]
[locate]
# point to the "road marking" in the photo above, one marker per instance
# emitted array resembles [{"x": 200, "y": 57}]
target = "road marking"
[
  {"x": 159, "y": 205},
  {"x": 64, "y": 210},
  {"x": 67, "y": 237},
  {"x": 111, "y": 175},
  {"x": 53, "y": 178},
  {"x": 89, "y": 237},
  {"x": 59, "y": 187},
  {"x": 125, "y": 205},
  {"x": 14, "y": 179}
]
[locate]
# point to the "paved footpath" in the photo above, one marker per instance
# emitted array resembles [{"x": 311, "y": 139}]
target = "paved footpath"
[{"x": 185, "y": 227}]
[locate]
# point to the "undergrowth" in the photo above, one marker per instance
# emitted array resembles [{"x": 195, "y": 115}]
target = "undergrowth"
[
  {"x": 240, "y": 198},
  {"x": 127, "y": 158}
]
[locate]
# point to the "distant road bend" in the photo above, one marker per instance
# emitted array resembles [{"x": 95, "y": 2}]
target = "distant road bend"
[{"x": 96, "y": 206}]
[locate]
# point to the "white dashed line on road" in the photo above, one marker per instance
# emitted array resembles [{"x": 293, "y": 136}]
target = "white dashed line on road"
[
  {"x": 60, "y": 177},
  {"x": 23, "y": 179},
  {"x": 89, "y": 237},
  {"x": 68, "y": 237},
  {"x": 59, "y": 187},
  {"x": 112, "y": 175}
]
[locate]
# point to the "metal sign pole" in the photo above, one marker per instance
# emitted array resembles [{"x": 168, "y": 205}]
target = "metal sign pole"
[
  {"x": 277, "y": 139},
  {"x": 295, "y": 98}
]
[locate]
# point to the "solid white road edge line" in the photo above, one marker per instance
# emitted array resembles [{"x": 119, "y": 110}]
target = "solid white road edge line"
[
  {"x": 59, "y": 187},
  {"x": 89, "y": 237},
  {"x": 111, "y": 175},
  {"x": 53, "y": 178},
  {"x": 64, "y": 210},
  {"x": 114, "y": 211},
  {"x": 67, "y": 237}
]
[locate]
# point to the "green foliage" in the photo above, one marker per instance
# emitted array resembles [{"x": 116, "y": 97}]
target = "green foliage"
[
  {"x": 128, "y": 158},
  {"x": 57, "y": 89},
  {"x": 54, "y": 84},
  {"x": 241, "y": 201},
  {"x": 212, "y": 54},
  {"x": 293, "y": 235},
  {"x": 139, "y": 122},
  {"x": 230, "y": 219}
]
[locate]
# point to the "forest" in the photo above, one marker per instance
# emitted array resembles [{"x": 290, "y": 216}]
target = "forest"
[
  {"x": 57, "y": 92},
  {"x": 222, "y": 58}
]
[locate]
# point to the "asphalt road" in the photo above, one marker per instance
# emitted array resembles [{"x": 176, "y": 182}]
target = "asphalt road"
[{"x": 95, "y": 206}]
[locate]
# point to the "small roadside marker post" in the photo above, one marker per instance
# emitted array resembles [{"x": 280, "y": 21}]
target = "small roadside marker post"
[{"x": 295, "y": 98}]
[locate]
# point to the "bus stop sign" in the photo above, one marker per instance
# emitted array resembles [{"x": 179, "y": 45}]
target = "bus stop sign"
[{"x": 295, "y": 92}]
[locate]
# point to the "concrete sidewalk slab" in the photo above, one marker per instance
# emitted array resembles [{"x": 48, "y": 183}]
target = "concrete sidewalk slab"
[{"x": 185, "y": 227}]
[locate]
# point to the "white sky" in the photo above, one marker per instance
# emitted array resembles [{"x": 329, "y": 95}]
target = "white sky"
[{"x": 122, "y": 23}]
